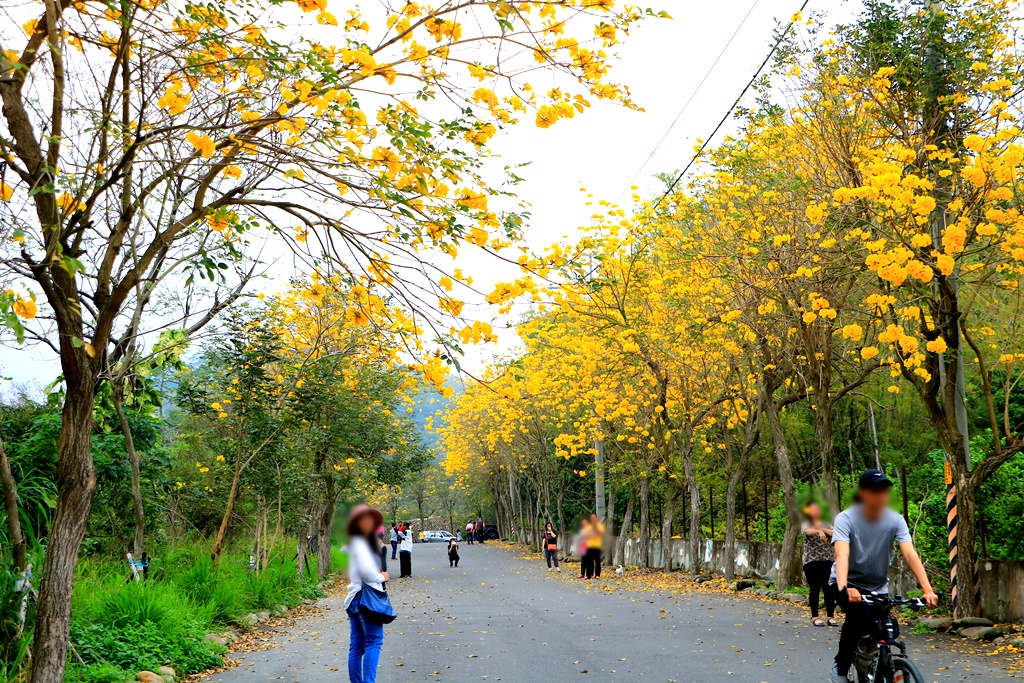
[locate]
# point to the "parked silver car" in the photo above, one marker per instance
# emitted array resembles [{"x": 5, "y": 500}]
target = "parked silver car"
[{"x": 438, "y": 536}]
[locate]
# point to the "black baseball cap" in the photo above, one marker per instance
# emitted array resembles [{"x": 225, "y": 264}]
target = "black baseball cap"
[{"x": 874, "y": 479}]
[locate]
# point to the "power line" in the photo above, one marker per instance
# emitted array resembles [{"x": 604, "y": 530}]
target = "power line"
[
  {"x": 689, "y": 100},
  {"x": 732, "y": 107}
]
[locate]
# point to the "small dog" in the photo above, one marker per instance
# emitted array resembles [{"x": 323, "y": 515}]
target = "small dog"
[
  {"x": 453, "y": 553},
  {"x": 619, "y": 570}
]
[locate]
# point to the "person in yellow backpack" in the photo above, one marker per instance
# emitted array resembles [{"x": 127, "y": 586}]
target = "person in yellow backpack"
[{"x": 595, "y": 546}]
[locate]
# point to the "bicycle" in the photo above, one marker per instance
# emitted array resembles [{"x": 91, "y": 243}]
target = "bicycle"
[{"x": 876, "y": 662}]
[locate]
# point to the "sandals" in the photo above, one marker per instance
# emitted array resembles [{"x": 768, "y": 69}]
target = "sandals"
[
  {"x": 818, "y": 622},
  {"x": 832, "y": 621}
]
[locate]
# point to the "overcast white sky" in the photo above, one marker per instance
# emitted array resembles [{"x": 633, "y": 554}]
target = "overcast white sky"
[{"x": 662, "y": 62}]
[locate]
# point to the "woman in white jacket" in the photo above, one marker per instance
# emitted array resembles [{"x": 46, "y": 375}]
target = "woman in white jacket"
[
  {"x": 367, "y": 638},
  {"x": 405, "y": 552}
]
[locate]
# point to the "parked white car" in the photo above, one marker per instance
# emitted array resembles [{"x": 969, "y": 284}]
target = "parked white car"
[{"x": 437, "y": 536}]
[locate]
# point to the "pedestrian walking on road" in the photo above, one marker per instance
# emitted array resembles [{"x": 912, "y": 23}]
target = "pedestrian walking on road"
[
  {"x": 453, "y": 553},
  {"x": 595, "y": 546},
  {"x": 550, "y": 544},
  {"x": 405, "y": 552},
  {"x": 585, "y": 568},
  {"x": 480, "y": 529},
  {"x": 394, "y": 541},
  {"x": 818, "y": 557},
  {"x": 382, "y": 547},
  {"x": 469, "y": 532},
  {"x": 367, "y": 637}
]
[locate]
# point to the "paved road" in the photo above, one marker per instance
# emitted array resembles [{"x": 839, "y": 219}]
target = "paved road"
[{"x": 501, "y": 617}]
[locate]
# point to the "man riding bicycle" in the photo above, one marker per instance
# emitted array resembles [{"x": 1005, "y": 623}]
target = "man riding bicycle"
[{"x": 863, "y": 536}]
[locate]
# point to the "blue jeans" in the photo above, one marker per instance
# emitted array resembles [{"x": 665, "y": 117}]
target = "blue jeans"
[{"x": 364, "y": 646}]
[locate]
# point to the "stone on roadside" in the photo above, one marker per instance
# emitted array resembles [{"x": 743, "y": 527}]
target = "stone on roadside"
[
  {"x": 936, "y": 623},
  {"x": 149, "y": 677},
  {"x": 262, "y": 616},
  {"x": 167, "y": 673},
  {"x": 972, "y": 632},
  {"x": 991, "y": 633},
  {"x": 216, "y": 640},
  {"x": 793, "y": 597},
  {"x": 248, "y": 621},
  {"x": 970, "y": 622},
  {"x": 280, "y": 610}
]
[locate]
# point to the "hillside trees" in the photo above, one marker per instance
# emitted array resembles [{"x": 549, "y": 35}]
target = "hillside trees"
[{"x": 305, "y": 394}]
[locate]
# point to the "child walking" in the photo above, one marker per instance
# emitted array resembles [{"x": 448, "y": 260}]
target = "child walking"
[{"x": 453, "y": 553}]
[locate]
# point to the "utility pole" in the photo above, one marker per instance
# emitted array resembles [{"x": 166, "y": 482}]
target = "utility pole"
[{"x": 599, "y": 479}]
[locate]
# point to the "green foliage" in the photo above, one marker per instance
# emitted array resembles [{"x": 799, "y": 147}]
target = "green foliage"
[
  {"x": 97, "y": 673},
  {"x": 11, "y": 649},
  {"x": 145, "y": 646},
  {"x": 119, "y": 628}
]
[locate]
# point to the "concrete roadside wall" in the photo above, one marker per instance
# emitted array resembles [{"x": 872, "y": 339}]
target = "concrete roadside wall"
[
  {"x": 1002, "y": 582},
  {"x": 1002, "y": 590}
]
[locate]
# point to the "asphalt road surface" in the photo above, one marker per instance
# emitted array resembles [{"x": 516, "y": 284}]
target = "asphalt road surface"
[{"x": 501, "y": 617}]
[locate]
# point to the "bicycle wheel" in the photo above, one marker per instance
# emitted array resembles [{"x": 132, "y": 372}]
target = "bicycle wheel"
[{"x": 911, "y": 674}]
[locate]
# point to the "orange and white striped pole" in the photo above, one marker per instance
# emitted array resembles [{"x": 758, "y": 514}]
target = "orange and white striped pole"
[{"x": 951, "y": 529}]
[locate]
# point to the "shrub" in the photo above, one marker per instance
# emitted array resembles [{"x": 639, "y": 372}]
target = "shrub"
[
  {"x": 146, "y": 646},
  {"x": 98, "y": 673}
]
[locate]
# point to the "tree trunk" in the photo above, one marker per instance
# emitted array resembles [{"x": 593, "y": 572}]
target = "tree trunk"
[
  {"x": 785, "y": 576},
  {"x": 76, "y": 485},
  {"x": 824, "y": 433},
  {"x": 519, "y": 512},
  {"x": 324, "y": 529},
  {"x": 645, "y": 523},
  {"x": 609, "y": 527},
  {"x": 277, "y": 525},
  {"x": 257, "y": 541},
  {"x": 138, "y": 544},
  {"x": 513, "y": 495},
  {"x": 730, "y": 523},
  {"x": 300, "y": 555},
  {"x": 561, "y": 518},
  {"x": 323, "y": 549},
  {"x": 666, "y": 529},
  {"x": 625, "y": 531},
  {"x": 966, "y": 537},
  {"x": 694, "y": 531},
  {"x": 218, "y": 543},
  {"x": 19, "y": 548}
]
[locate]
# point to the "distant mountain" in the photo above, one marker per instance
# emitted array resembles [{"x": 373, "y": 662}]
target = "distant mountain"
[{"x": 429, "y": 408}]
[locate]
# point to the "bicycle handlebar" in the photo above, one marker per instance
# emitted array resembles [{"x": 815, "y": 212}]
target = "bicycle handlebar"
[{"x": 886, "y": 601}]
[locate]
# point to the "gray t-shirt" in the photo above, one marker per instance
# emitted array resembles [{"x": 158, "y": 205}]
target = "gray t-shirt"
[{"x": 870, "y": 546}]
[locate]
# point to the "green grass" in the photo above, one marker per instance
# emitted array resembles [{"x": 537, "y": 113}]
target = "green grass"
[
  {"x": 119, "y": 628},
  {"x": 339, "y": 560}
]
